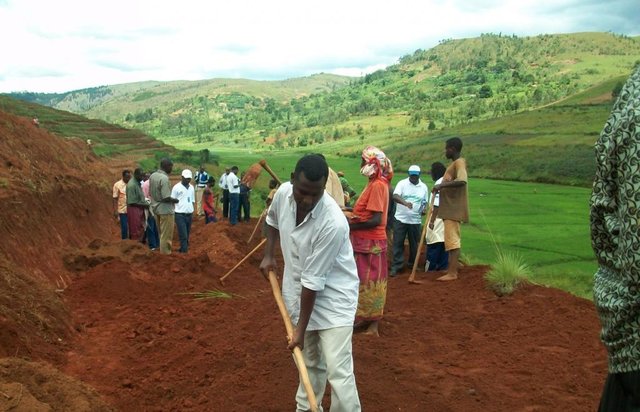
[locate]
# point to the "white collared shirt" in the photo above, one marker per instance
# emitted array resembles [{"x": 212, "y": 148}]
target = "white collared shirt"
[
  {"x": 186, "y": 197},
  {"x": 417, "y": 195},
  {"x": 232, "y": 181},
  {"x": 317, "y": 255},
  {"x": 222, "y": 183}
]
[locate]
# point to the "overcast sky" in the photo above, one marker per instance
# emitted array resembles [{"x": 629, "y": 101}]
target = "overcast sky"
[{"x": 62, "y": 45}]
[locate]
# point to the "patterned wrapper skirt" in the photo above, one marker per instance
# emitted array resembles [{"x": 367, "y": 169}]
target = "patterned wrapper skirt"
[
  {"x": 136, "y": 218},
  {"x": 371, "y": 260}
]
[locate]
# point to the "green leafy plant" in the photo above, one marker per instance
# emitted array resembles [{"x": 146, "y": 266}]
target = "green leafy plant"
[{"x": 507, "y": 273}]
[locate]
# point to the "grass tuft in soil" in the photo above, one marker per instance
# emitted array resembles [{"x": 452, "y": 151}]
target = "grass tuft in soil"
[{"x": 507, "y": 273}]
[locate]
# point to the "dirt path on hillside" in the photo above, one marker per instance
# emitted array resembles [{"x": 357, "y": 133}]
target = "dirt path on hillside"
[{"x": 145, "y": 345}]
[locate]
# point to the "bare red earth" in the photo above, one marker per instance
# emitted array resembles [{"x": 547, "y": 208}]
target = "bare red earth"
[{"x": 125, "y": 324}]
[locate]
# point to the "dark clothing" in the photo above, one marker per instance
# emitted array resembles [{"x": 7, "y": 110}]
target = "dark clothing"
[
  {"x": 153, "y": 239},
  {"x": 400, "y": 232},
  {"x": 234, "y": 203},
  {"x": 225, "y": 203},
  {"x": 210, "y": 218},
  {"x": 183, "y": 223},
  {"x": 124, "y": 226},
  {"x": 621, "y": 393},
  {"x": 244, "y": 205},
  {"x": 135, "y": 220},
  {"x": 391, "y": 212},
  {"x": 437, "y": 257},
  {"x": 201, "y": 179},
  {"x": 615, "y": 211}
]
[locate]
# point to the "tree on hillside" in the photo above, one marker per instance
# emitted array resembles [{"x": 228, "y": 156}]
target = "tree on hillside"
[
  {"x": 204, "y": 156},
  {"x": 485, "y": 92},
  {"x": 415, "y": 119}
]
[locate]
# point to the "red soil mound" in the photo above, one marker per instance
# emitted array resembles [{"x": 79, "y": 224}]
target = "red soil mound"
[
  {"x": 53, "y": 199},
  {"x": 54, "y": 192},
  {"x": 123, "y": 319},
  {"x": 145, "y": 344},
  {"x": 35, "y": 386}
]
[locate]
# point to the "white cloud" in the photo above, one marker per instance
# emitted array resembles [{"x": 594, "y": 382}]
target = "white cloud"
[{"x": 66, "y": 44}]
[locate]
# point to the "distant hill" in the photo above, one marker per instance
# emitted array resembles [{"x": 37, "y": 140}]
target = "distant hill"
[
  {"x": 113, "y": 103},
  {"x": 485, "y": 88},
  {"x": 551, "y": 144}
]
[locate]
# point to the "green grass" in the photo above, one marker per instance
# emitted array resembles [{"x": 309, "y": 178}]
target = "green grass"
[
  {"x": 548, "y": 137},
  {"x": 547, "y": 225},
  {"x": 507, "y": 273}
]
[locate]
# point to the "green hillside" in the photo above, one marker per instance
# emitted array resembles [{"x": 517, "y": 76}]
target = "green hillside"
[
  {"x": 528, "y": 108},
  {"x": 456, "y": 82},
  {"x": 114, "y": 103},
  {"x": 552, "y": 144}
]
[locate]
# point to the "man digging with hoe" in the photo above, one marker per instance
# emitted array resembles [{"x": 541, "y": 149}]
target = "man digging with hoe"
[{"x": 320, "y": 282}]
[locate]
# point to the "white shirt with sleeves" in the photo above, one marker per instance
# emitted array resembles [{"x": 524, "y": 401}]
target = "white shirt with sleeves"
[
  {"x": 186, "y": 198},
  {"x": 436, "y": 235},
  {"x": 417, "y": 195},
  {"x": 317, "y": 255},
  {"x": 232, "y": 182},
  {"x": 222, "y": 183}
]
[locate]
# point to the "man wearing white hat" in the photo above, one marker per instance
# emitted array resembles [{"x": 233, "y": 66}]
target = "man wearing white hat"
[
  {"x": 186, "y": 196},
  {"x": 411, "y": 196}
]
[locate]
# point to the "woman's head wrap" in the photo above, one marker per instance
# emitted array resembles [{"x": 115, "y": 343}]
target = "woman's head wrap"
[{"x": 376, "y": 164}]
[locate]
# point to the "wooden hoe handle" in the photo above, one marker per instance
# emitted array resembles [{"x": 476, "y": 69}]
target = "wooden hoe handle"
[
  {"x": 255, "y": 229},
  {"x": 297, "y": 353},
  {"x": 422, "y": 237},
  {"x": 243, "y": 260},
  {"x": 266, "y": 167}
]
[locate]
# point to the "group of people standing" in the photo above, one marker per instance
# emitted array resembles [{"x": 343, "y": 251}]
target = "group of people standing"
[
  {"x": 335, "y": 259},
  {"x": 372, "y": 233},
  {"x": 148, "y": 206},
  {"x": 235, "y": 196},
  {"x": 131, "y": 208}
]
